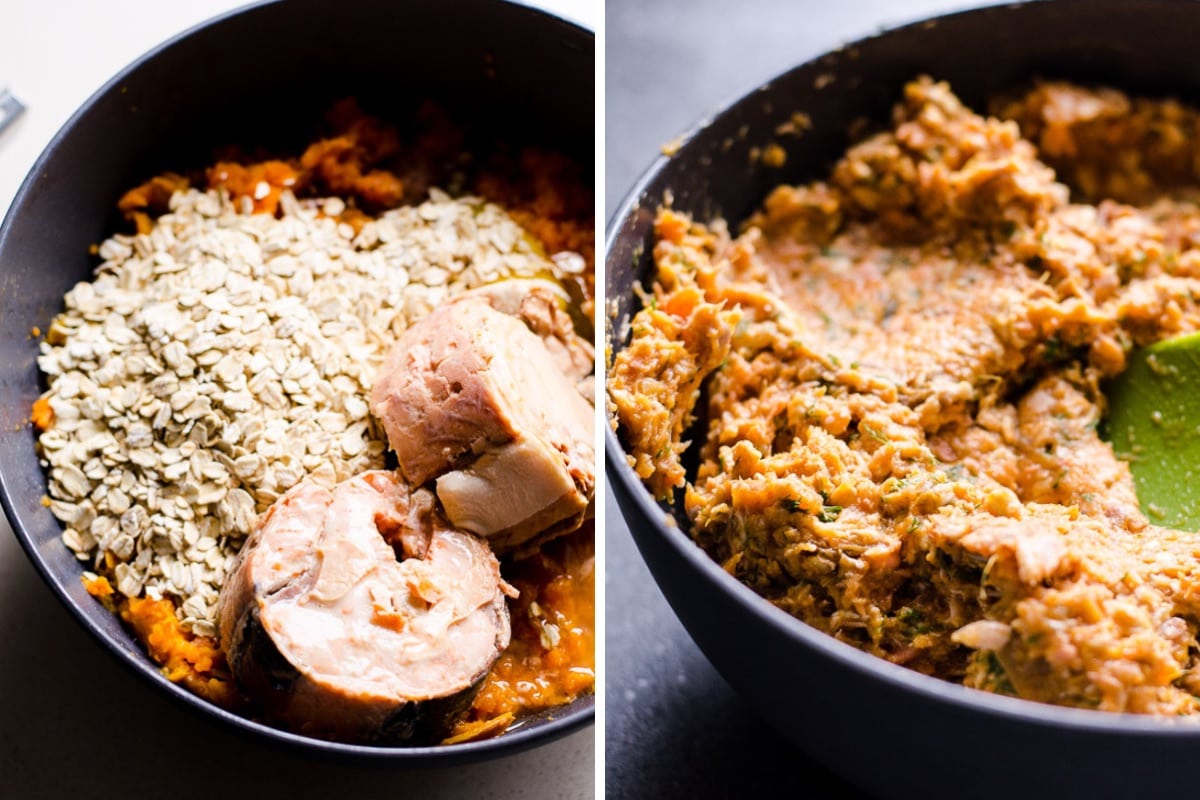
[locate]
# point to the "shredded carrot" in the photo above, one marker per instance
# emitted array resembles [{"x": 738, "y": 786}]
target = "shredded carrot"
[
  {"x": 671, "y": 227},
  {"x": 481, "y": 729},
  {"x": 683, "y": 302}
]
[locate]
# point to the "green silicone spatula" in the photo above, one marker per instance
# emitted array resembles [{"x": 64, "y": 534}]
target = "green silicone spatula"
[{"x": 1154, "y": 423}]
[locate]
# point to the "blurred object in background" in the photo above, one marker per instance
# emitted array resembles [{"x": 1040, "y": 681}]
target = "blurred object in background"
[{"x": 10, "y": 108}]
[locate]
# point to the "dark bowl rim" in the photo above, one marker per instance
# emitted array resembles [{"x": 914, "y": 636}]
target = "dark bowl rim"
[
  {"x": 547, "y": 725},
  {"x": 662, "y": 524}
]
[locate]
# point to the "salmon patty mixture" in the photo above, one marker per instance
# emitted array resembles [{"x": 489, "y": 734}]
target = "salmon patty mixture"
[{"x": 897, "y": 376}]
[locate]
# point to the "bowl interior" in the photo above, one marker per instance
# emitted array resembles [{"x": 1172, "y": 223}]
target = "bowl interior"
[
  {"x": 1142, "y": 47},
  {"x": 263, "y": 77}
]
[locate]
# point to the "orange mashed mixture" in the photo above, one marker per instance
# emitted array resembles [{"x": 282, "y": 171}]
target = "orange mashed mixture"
[{"x": 898, "y": 373}]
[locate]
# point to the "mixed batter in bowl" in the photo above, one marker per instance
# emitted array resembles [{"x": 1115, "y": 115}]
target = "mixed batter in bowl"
[{"x": 893, "y": 379}]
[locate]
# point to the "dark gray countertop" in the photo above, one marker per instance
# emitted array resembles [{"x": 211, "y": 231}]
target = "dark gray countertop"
[{"x": 673, "y": 727}]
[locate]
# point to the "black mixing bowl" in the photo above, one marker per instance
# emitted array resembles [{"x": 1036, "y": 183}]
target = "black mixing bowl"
[
  {"x": 263, "y": 77},
  {"x": 892, "y": 731}
]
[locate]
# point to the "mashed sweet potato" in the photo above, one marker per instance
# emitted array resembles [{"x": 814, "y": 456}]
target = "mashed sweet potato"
[{"x": 551, "y": 659}]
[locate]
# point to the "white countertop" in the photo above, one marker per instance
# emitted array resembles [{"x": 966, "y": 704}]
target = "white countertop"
[{"x": 74, "y": 722}]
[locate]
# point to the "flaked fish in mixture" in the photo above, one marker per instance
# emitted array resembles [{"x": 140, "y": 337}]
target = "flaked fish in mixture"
[{"x": 897, "y": 372}]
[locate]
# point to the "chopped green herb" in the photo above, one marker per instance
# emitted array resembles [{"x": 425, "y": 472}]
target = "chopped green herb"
[
  {"x": 829, "y": 513},
  {"x": 996, "y": 674},
  {"x": 1054, "y": 348},
  {"x": 878, "y": 436},
  {"x": 914, "y": 621}
]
